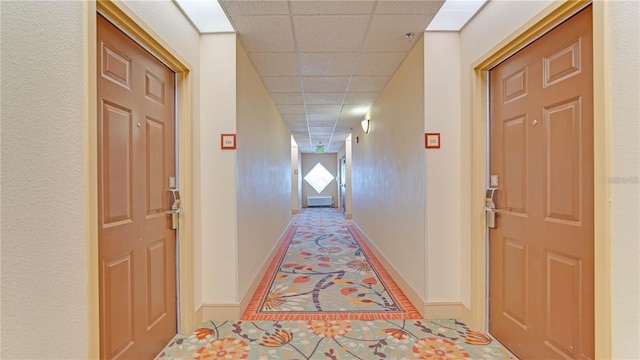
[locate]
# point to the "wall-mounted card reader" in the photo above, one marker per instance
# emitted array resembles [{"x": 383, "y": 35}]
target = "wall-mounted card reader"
[{"x": 490, "y": 206}]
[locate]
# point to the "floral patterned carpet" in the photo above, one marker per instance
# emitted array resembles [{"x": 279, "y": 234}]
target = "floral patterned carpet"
[
  {"x": 325, "y": 296},
  {"x": 324, "y": 271},
  {"x": 334, "y": 340}
]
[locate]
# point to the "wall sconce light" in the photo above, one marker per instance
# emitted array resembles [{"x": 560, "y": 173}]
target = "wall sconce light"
[{"x": 366, "y": 125}]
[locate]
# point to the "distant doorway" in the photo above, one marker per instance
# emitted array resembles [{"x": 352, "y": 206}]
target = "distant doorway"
[{"x": 319, "y": 178}]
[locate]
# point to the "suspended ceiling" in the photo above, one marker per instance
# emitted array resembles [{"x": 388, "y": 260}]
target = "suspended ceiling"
[{"x": 325, "y": 62}]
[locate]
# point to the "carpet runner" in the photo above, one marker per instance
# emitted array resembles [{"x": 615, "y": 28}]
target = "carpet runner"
[
  {"x": 324, "y": 271},
  {"x": 334, "y": 340},
  {"x": 323, "y": 300}
]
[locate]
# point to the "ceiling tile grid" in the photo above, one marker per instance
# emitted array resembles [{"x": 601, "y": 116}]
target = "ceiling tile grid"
[{"x": 324, "y": 62}]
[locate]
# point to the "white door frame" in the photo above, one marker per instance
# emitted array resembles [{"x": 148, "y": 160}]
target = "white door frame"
[
  {"x": 479, "y": 164},
  {"x": 133, "y": 26}
]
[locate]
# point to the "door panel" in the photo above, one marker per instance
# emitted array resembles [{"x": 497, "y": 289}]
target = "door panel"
[
  {"x": 137, "y": 247},
  {"x": 541, "y": 252}
]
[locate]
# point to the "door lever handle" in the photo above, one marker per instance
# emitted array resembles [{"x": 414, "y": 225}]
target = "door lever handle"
[
  {"x": 490, "y": 207},
  {"x": 491, "y": 217},
  {"x": 175, "y": 209}
]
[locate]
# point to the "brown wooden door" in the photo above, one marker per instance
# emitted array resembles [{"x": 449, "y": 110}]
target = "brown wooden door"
[
  {"x": 541, "y": 253},
  {"x": 137, "y": 248}
]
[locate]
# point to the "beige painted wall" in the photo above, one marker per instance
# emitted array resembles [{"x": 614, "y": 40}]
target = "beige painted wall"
[
  {"x": 45, "y": 129},
  {"x": 443, "y": 167},
  {"x": 624, "y": 55},
  {"x": 44, "y": 227},
  {"x": 44, "y": 168},
  {"x": 216, "y": 221},
  {"x": 388, "y": 172},
  {"x": 330, "y": 162},
  {"x": 263, "y": 173}
]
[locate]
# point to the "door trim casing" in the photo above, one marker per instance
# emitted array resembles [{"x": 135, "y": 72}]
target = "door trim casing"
[
  {"x": 134, "y": 27},
  {"x": 543, "y": 22}
]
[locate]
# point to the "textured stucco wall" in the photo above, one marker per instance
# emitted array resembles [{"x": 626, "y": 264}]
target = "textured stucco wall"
[
  {"x": 263, "y": 175},
  {"x": 443, "y": 167},
  {"x": 217, "y": 221},
  {"x": 44, "y": 227},
  {"x": 388, "y": 172},
  {"x": 624, "y": 54}
]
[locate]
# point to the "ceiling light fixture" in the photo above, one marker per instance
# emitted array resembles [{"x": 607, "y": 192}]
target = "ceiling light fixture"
[
  {"x": 366, "y": 125},
  {"x": 409, "y": 36}
]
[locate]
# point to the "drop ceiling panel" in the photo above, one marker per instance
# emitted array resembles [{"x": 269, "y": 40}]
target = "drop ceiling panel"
[
  {"x": 409, "y": 7},
  {"x": 323, "y": 98},
  {"x": 313, "y": 64},
  {"x": 321, "y": 117},
  {"x": 347, "y": 119},
  {"x": 354, "y": 110},
  {"x": 290, "y": 118},
  {"x": 363, "y": 98},
  {"x": 325, "y": 83},
  {"x": 324, "y": 109},
  {"x": 324, "y": 7},
  {"x": 341, "y": 135},
  {"x": 344, "y": 54},
  {"x": 327, "y": 130},
  {"x": 275, "y": 64},
  {"x": 291, "y": 109},
  {"x": 388, "y": 32},
  {"x": 314, "y": 124},
  {"x": 265, "y": 33},
  {"x": 368, "y": 83},
  {"x": 287, "y": 98},
  {"x": 379, "y": 63},
  {"x": 297, "y": 128},
  {"x": 244, "y": 7},
  {"x": 282, "y": 83},
  {"x": 340, "y": 33}
]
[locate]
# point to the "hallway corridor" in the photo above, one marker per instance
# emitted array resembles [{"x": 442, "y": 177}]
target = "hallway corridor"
[{"x": 325, "y": 296}]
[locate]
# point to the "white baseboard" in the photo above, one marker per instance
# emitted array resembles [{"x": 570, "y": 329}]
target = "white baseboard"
[
  {"x": 428, "y": 310},
  {"x": 413, "y": 297},
  {"x": 231, "y": 311},
  {"x": 447, "y": 310},
  {"x": 246, "y": 298}
]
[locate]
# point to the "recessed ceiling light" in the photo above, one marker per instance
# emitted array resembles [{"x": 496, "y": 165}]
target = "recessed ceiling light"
[
  {"x": 454, "y": 14},
  {"x": 206, "y": 15}
]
